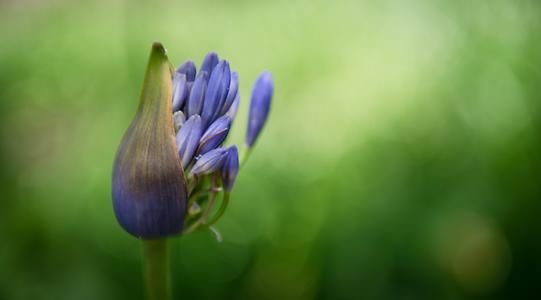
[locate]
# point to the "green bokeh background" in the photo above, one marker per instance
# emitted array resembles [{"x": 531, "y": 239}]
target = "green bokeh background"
[{"x": 401, "y": 160}]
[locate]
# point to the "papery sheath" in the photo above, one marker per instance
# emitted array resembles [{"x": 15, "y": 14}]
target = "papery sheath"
[{"x": 148, "y": 185}]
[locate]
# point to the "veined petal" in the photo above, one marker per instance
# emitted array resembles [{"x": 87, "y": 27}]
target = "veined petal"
[
  {"x": 209, "y": 162},
  {"x": 209, "y": 62},
  {"x": 180, "y": 90},
  {"x": 197, "y": 93},
  {"x": 188, "y": 69},
  {"x": 216, "y": 92},
  {"x": 231, "y": 93},
  {"x": 148, "y": 185},
  {"x": 230, "y": 169},
  {"x": 188, "y": 139},
  {"x": 259, "y": 107},
  {"x": 232, "y": 112},
  {"x": 214, "y": 135}
]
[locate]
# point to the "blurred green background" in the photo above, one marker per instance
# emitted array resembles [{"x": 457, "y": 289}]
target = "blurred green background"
[{"x": 402, "y": 158}]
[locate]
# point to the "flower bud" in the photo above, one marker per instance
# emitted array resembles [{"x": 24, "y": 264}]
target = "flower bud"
[
  {"x": 188, "y": 139},
  {"x": 230, "y": 168},
  {"x": 232, "y": 93},
  {"x": 188, "y": 69},
  {"x": 259, "y": 107},
  {"x": 178, "y": 119},
  {"x": 214, "y": 135},
  {"x": 216, "y": 92},
  {"x": 209, "y": 162},
  {"x": 232, "y": 112},
  {"x": 180, "y": 90},
  {"x": 209, "y": 62},
  {"x": 197, "y": 93},
  {"x": 148, "y": 185}
]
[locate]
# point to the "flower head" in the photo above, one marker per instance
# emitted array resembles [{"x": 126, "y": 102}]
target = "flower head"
[
  {"x": 149, "y": 189},
  {"x": 172, "y": 153}
]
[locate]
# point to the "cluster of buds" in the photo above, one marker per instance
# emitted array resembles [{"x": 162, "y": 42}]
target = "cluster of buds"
[{"x": 172, "y": 164}]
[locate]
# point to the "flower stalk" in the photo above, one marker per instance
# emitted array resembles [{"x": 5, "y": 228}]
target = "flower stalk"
[
  {"x": 156, "y": 265},
  {"x": 172, "y": 163}
]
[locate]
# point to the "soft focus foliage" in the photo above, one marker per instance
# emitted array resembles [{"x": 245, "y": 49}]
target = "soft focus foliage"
[{"x": 401, "y": 159}]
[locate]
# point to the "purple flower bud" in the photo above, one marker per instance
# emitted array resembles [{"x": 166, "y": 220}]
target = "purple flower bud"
[
  {"x": 188, "y": 138},
  {"x": 214, "y": 135},
  {"x": 232, "y": 112},
  {"x": 195, "y": 101},
  {"x": 188, "y": 69},
  {"x": 259, "y": 106},
  {"x": 148, "y": 186},
  {"x": 210, "y": 162},
  {"x": 216, "y": 92},
  {"x": 178, "y": 119},
  {"x": 209, "y": 62},
  {"x": 180, "y": 90},
  {"x": 230, "y": 169},
  {"x": 232, "y": 93}
]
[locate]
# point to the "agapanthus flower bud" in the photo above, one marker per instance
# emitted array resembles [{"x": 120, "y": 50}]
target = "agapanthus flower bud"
[
  {"x": 214, "y": 135},
  {"x": 180, "y": 90},
  {"x": 197, "y": 94},
  {"x": 148, "y": 185},
  {"x": 188, "y": 69},
  {"x": 154, "y": 165},
  {"x": 232, "y": 112},
  {"x": 209, "y": 62},
  {"x": 209, "y": 162},
  {"x": 230, "y": 168},
  {"x": 232, "y": 93},
  {"x": 259, "y": 107},
  {"x": 216, "y": 92},
  {"x": 188, "y": 139},
  {"x": 178, "y": 119}
]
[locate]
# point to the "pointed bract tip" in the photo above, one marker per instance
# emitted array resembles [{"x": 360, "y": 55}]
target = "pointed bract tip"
[{"x": 158, "y": 49}]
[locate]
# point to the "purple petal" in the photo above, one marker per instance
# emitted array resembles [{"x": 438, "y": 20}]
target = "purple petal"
[
  {"x": 216, "y": 92},
  {"x": 179, "y": 90},
  {"x": 188, "y": 139},
  {"x": 209, "y": 62},
  {"x": 259, "y": 107},
  {"x": 232, "y": 92},
  {"x": 210, "y": 162},
  {"x": 188, "y": 69},
  {"x": 230, "y": 169},
  {"x": 197, "y": 93},
  {"x": 232, "y": 112},
  {"x": 214, "y": 135}
]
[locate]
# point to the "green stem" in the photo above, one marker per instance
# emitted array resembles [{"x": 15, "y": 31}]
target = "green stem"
[
  {"x": 225, "y": 202},
  {"x": 156, "y": 260},
  {"x": 245, "y": 153}
]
